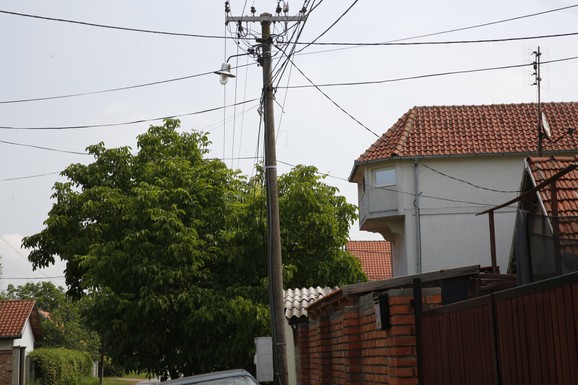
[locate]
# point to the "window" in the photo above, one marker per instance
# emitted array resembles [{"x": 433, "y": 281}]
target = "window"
[{"x": 384, "y": 177}]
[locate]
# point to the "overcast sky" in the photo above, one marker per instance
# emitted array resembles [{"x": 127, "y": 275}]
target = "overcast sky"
[{"x": 44, "y": 58}]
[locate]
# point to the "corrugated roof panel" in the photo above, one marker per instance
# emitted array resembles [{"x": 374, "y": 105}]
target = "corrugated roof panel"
[{"x": 296, "y": 301}]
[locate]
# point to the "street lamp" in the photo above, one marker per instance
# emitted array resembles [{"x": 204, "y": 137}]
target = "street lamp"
[{"x": 225, "y": 72}]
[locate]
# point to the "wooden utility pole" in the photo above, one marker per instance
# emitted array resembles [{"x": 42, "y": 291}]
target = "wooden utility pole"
[{"x": 274, "y": 235}]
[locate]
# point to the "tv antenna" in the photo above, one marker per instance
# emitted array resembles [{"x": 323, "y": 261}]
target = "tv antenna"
[{"x": 542, "y": 121}]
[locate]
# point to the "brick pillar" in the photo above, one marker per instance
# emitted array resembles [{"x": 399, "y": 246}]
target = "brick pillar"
[
  {"x": 6, "y": 367},
  {"x": 352, "y": 332},
  {"x": 303, "y": 354},
  {"x": 401, "y": 343},
  {"x": 325, "y": 350}
]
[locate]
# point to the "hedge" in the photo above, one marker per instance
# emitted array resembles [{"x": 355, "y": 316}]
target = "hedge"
[{"x": 59, "y": 366}]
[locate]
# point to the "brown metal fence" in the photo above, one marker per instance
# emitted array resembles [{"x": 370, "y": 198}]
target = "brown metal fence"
[{"x": 527, "y": 335}]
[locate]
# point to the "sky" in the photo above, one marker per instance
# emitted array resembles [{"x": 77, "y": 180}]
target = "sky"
[{"x": 46, "y": 57}]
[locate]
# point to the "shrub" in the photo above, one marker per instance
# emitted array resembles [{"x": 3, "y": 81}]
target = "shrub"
[{"x": 58, "y": 366}]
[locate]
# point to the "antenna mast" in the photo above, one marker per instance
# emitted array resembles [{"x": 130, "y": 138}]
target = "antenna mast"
[{"x": 537, "y": 82}]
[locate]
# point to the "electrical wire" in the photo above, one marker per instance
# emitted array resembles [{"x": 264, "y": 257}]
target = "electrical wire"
[
  {"x": 124, "y": 123},
  {"x": 488, "y": 23},
  {"x": 332, "y": 101},
  {"x": 455, "y": 29},
  {"x": 44, "y": 148},
  {"x": 19, "y": 253},
  {"x": 459, "y": 72},
  {"x": 112, "y": 89},
  {"x": 111, "y": 26},
  {"x": 479, "y": 41},
  {"x": 421, "y": 195},
  {"x": 330, "y": 27},
  {"x": 466, "y": 182},
  {"x": 29, "y": 176}
]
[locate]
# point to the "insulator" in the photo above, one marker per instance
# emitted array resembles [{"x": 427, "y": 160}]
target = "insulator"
[
  {"x": 253, "y": 10},
  {"x": 227, "y": 7}
]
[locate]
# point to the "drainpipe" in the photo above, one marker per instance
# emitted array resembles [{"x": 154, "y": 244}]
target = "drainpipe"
[{"x": 417, "y": 217}]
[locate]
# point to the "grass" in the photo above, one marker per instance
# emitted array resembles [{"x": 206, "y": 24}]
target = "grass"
[
  {"x": 119, "y": 381},
  {"x": 130, "y": 379}
]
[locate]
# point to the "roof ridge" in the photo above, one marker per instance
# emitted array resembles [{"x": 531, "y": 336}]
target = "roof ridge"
[
  {"x": 407, "y": 127},
  {"x": 494, "y": 129}
]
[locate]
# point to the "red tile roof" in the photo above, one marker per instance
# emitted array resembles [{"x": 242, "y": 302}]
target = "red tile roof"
[
  {"x": 13, "y": 317},
  {"x": 466, "y": 130},
  {"x": 375, "y": 258},
  {"x": 567, "y": 190}
]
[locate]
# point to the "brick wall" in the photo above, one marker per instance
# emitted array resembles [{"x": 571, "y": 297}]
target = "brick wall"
[
  {"x": 342, "y": 345},
  {"x": 5, "y": 367}
]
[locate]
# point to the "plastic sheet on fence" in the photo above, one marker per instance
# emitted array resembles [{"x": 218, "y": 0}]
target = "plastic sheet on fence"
[{"x": 545, "y": 246}]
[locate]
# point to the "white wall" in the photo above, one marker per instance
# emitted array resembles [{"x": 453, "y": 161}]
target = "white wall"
[
  {"x": 27, "y": 339},
  {"x": 452, "y": 191}
]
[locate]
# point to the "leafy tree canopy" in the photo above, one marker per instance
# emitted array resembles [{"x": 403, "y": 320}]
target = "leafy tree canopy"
[
  {"x": 171, "y": 246},
  {"x": 63, "y": 325}
]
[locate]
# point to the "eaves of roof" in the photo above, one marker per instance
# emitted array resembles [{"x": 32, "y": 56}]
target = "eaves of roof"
[
  {"x": 13, "y": 317},
  {"x": 483, "y": 130},
  {"x": 358, "y": 164}
]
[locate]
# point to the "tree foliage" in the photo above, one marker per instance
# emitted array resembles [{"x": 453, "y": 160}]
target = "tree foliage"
[
  {"x": 171, "y": 248},
  {"x": 63, "y": 324}
]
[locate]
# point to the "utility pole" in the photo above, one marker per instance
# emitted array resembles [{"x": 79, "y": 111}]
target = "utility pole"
[{"x": 274, "y": 229}]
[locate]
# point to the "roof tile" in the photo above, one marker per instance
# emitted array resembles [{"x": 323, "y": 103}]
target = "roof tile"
[
  {"x": 484, "y": 129},
  {"x": 566, "y": 192},
  {"x": 375, "y": 258},
  {"x": 13, "y": 317}
]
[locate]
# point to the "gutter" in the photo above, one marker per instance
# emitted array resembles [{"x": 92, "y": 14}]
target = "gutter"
[{"x": 394, "y": 157}]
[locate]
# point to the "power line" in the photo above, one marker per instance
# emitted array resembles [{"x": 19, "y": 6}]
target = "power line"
[
  {"x": 112, "y": 26},
  {"x": 19, "y": 253},
  {"x": 479, "y": 41},
  {"x": 330, "y": 27},
  {"x": 459, "y": 72},
  {"x": 458, "y": 29},
  {"x": 29, "y": 176},
  {"x": 400, "y": 191},
  {"x": 44, "y": 148},
  {"x": 124, "y": 123},
  {"x": 466, "y": 182},
  {"x": 114, "y": 89},
  {"x": 331, "y": 100},
  {"x": 34, "y": 278},
  {"x": 488, "y": 23}
]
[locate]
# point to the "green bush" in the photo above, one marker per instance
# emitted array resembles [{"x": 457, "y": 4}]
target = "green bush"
[{"x": 58, "y": 366}]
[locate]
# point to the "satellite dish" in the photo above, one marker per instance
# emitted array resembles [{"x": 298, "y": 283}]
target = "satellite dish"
[{"x": 546, "y": 126}]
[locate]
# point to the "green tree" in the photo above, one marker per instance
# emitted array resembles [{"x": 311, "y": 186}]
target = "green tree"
[
  {"x": 47, "y": 296},
  {"x": 171, "y": 247},
  {"x": 63, "y": 325},
  {"x": 315, "y": 223},
  {"x": 146, "y": 236}
]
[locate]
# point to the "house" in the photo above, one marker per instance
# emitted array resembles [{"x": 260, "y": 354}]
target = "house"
[
  {"x": 19, "y": 329},
  {"x": 422, "y": 182},
  {"x": 546, "y": 237},
  {"x": 375, "y": 258}
]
